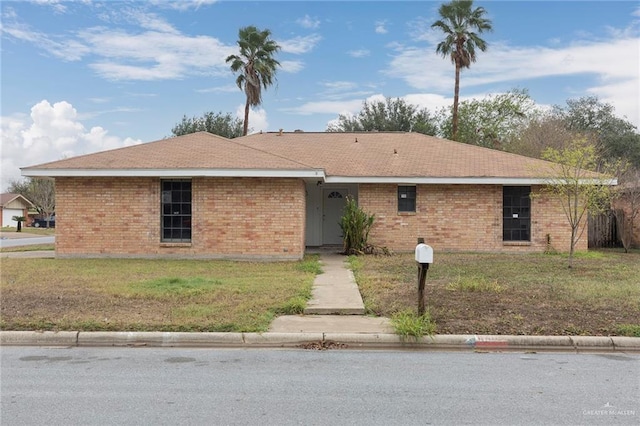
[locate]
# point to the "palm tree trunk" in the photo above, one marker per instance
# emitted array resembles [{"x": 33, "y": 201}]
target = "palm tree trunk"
[
  {"x": 245, "y": 128},
  {"x": 456, "y": 97}
]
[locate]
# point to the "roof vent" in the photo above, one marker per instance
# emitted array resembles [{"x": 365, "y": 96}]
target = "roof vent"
[
  {"x": 395, "y": 152},
  {"x": 280, "y": 132},
  {"x": 356, "y": 140}
]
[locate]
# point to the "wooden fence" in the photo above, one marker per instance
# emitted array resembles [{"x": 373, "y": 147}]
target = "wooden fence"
[{"x": 603, "y": 231}]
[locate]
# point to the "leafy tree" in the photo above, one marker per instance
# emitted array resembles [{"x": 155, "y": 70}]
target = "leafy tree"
[
  {"x": 256, "y": 66},
  {"x": 615, "y": 137},
  {"x": 496, "y": 121},
  {"x": 461, "y": 27},
  {"x": 219, "y": 124},
  {"x": 392, "y": 114},
  {"x": 41, "y": 192},
  {"x": 542, "y": 132},
  {"x": 573, "y": 183},
  {"x": 20, "y": 186}
]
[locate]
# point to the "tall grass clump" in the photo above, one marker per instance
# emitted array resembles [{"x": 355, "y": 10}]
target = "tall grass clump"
[
  {"x": 407, "y": 323},
  {"x": 355, "y": 224}
]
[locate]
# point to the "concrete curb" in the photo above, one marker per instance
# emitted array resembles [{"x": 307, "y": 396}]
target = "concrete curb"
[{"x": 481, "y": 343}]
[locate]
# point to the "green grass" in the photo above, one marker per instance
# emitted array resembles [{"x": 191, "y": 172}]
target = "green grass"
[
  {"x": 475, "y": 283},
  {"x": 407, "y": 324},
  {"x": 631, "y": 330},
  {"x": 30, "y": 230},
  {"x": 152, "y": 295},
  {"x": 32, "y": 247},
  {"x": 178, "y": 287}
]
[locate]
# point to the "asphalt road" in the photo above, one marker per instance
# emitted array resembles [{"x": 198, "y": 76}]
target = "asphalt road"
[
  {"x": 126, "y": 386},
  {"x": 17, "y": 242}
]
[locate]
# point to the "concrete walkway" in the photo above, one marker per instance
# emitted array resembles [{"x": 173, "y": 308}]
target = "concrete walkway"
[
  {"x": 335, "y": 291},
  {"x": 335, "y": 306}
]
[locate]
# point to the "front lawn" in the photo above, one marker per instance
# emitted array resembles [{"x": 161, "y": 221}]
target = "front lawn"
[
  {"x": 535, "y": 294},
  {"x": 151, "y": 295}
]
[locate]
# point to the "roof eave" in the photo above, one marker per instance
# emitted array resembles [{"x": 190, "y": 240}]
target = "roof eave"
[
  {"x": 273, "y": 173},
  {"x": 451, "y": 180},
  {"x": 304, "y": 173}
]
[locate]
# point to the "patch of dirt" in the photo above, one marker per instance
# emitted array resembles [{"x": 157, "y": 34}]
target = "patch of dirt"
[
  {"x": 539, "y": 307},
  {"x": 517, "y": 313},
  {"x": 61, "y": 306}
]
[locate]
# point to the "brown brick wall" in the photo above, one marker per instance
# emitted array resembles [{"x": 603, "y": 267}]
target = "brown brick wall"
[
  {"x": 245, "y": 218},
  {"x": 460, "y": 218}
]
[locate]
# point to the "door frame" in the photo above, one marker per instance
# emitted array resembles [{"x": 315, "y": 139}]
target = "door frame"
[{"x": 325, "y": 190}]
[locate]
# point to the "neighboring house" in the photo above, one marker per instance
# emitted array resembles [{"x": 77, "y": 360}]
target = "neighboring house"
[
  {"x": 13, "y": 205},
  {"x": 268, "y": 196}
]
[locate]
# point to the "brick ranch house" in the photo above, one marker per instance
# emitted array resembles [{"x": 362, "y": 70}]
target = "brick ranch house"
[
  {"x": 268, "y": 196},
  {"x": 13, "y": 205}
]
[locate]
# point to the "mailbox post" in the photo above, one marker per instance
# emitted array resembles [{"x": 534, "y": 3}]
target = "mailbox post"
[{"x": 424, "y": 257}]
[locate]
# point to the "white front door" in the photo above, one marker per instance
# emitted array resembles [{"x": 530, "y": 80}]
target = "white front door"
[{"x": 333, "y": 202}]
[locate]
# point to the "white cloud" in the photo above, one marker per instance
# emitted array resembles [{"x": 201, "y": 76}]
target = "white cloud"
[
  {"x": 327, "y": 107},
  {"x": 381, "y": 27},
  {"x": 56, "y": 5},
  {"x": 220, "y": 89},
  {"x": 257, "y": 119},
  {"x": 308, "y": 22},
  {"x": 151, "y": 21},
  {"x": 361, "y": 53},
  {"x": 341, "y": 90},
  {"x": 430, "y": 101},
  {"x": 614, "y": 64},
  {"x": 159, "y": 52},
  {"x": 50, "y": 133},
  {"x": 299, "y": 45},
  {"x": 291, "y": 66},
  {"x": 182, "y": 5},
  {"x": 339, "y": 86},
  {"x": 156, "y": 51},
  {"x": 68, "y": 50},
  {"x": 154, "y": 55}
]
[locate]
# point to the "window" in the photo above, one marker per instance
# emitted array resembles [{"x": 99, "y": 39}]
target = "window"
[
  {"x": 406, "y": 198},
  {"x": 176, "y": 210},
  {"x": 516, "y": 213}
]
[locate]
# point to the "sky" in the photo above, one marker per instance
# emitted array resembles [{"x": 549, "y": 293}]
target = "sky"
[{"x": 86, "y": 76}]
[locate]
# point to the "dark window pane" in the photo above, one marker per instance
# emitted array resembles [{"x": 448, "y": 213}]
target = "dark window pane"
[
  {"x": 176, "y": 210},
  {"x": 406, "y": 198},
  {"x": 516, "y": 213}
]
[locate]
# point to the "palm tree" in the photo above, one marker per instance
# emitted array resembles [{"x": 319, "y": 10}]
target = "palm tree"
[
  {"x": 461, "y": 27},
  {"x": 256, "y": 65}
]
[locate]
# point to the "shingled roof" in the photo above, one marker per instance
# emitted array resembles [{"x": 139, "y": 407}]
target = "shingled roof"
[
  {"x": 334, "y": 157},
  {"x": 9, "y": 197}
]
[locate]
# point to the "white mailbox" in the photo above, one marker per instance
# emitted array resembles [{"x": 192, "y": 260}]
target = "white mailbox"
[{"x": 424, "y": 253}]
